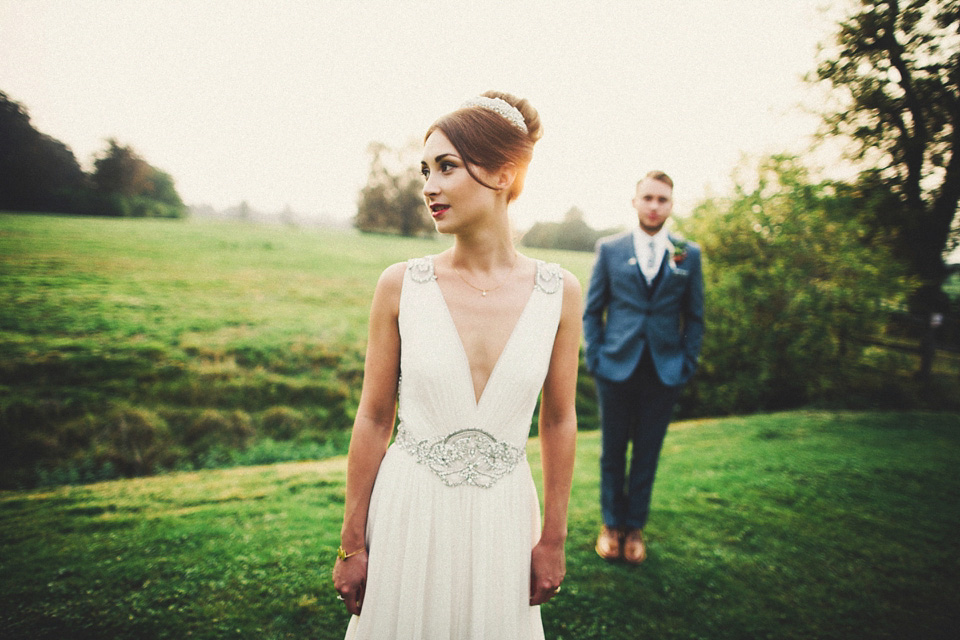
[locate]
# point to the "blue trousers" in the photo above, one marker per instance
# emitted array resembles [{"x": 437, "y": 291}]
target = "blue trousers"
[{"x": 637, "y": 410}]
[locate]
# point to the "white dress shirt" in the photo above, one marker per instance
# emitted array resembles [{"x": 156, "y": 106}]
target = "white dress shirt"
[{"x": 650, "y": 251}]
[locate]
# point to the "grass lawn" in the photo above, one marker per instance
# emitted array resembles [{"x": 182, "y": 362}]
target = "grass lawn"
[
  {"x": 202, "y": 334},
  {"x": 791, "y": 525}
]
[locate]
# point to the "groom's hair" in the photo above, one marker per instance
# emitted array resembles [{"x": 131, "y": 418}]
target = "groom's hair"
[{"x": 657, "y": 175}]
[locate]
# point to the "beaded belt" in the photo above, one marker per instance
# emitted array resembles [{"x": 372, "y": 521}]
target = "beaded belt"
[{"x": 468, "y": 456}]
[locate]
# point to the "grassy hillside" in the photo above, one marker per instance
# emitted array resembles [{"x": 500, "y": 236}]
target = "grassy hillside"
[
  {"x": 134, "y": 344},
  {"x": 789, "y": 526},
  {"x": 129, "y": 346}
]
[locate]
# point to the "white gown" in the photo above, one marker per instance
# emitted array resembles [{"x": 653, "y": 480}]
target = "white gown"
[{"x": 454, "y": 512}]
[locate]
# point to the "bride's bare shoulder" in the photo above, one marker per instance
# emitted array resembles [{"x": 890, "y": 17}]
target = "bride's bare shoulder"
[
  {"x": 387, "y": 293},
  {"x": 392, "y": 276}
]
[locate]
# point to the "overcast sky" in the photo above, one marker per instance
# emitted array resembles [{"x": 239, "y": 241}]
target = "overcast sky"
[{"x": 276, "y": 102}]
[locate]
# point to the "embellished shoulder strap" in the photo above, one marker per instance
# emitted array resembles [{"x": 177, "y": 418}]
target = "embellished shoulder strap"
[
  {"x": 549, "y": 274},
  {"x": 421, "y": 269},
  {"x": 549, "y": 277}
]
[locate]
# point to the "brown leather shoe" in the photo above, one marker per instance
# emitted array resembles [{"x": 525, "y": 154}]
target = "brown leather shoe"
[
  {"x": 634, "y": 548},
  {"x": 608, "y": 543}
]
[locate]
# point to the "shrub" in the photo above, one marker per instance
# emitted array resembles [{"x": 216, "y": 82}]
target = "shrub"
[
  {"x": 213, "y": 428},
  {"x": 135, "y": 441},
  {"x": 282, "y": 423},
  {"x": 792, "y": 286}
]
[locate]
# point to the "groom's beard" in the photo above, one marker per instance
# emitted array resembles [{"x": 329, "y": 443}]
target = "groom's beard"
[{"x": 650, "y": 229}]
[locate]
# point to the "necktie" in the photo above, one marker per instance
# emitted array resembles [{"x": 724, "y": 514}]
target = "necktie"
[{"x": 651, "y": 257}]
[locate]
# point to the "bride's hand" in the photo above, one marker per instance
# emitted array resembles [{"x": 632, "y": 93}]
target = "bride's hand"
[
  {"x": 350, "y": 580},
  {"x": 548, "y": 566}
]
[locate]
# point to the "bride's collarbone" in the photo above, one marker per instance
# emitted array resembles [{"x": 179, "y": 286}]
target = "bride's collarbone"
[{"x": 488, "y": 316}]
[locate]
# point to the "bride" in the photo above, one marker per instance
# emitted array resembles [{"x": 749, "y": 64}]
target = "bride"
[{"x": 442, "y": 534}]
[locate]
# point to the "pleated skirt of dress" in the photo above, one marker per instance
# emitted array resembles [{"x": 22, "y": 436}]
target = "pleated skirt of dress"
[{"x": 450, "y": 563}]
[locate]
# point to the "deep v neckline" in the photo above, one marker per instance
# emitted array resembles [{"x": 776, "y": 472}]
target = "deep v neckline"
[{"x": 467, "y": 367}]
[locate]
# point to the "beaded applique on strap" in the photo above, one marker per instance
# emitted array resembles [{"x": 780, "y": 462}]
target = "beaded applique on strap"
[
  {"x": 468, "y": 456},
  {"x": 549, "y": 277},
  {"x": 421, "y": 269}
]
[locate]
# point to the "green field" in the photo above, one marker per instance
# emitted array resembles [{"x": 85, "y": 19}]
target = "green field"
[
  {"x": 132, "y": 345},
  {"x": 798, "y": 525},
  {"x": 135, "y": 346}
]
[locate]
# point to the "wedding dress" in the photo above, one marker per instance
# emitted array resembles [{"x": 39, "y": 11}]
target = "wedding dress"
[{"x": 454, "y": 512}]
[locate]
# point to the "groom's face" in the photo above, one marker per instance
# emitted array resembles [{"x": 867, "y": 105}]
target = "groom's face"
[{"x": 654, "y": 203}]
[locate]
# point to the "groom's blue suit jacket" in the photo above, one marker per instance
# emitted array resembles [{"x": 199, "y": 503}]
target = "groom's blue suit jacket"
[{"x": 623, "y": 316}]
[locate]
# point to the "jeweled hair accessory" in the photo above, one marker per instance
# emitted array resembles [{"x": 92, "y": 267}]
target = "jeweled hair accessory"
[{"x": 500, "y": 106}]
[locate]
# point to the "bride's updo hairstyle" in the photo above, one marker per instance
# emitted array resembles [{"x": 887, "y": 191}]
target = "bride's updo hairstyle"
[{"x": 489, "y": 134}]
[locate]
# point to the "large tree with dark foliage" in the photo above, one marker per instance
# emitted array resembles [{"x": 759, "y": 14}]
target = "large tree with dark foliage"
[
  {"x": 895, "y": 68},
  {"x": 792, "y": 287},
  {"x": 127, "y": 185},
  {"x": 37, "y": 173}
]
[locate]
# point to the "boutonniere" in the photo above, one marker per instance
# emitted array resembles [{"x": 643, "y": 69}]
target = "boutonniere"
[{"x": 678, "y": 253}]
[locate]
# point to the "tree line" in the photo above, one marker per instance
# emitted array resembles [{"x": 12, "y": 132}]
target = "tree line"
[{"x": 38, "y": 173}]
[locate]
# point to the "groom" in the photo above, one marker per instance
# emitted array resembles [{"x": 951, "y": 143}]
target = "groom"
[{"x": 643, "y": 324}]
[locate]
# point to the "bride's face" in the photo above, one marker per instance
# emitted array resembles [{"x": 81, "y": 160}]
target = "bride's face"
[{"x": 454, "y": 198}]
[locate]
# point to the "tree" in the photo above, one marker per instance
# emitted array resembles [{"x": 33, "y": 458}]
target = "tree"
[
  {"x": 896, "y": 67},
  {"x": 793, "y": 285},
  {"x": 127, "y": 185},
  {"x": 573, "y": 234},
  {"x": 37, "y": 172},
  {"x": 119, "y": 169},
  {"x": 392, "y": 199},
  {"x": 162, "y": 189}
]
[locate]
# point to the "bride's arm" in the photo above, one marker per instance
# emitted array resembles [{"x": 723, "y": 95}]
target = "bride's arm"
[
  {"x": 558, "y": 440},
  {"x": 371, "y": 433}
]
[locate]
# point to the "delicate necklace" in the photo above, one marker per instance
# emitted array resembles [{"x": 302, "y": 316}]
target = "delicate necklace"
[{"x": 484, "y": 292}]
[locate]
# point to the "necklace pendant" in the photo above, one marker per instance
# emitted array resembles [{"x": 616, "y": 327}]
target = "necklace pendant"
[{"x": 483, "y": 292}]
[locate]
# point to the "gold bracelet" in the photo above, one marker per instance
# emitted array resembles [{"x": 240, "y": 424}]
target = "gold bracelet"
[{"x": 343, "y": 555}]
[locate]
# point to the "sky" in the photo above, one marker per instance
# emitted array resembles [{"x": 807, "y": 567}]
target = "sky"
[{"x": 275, "y": 103}]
